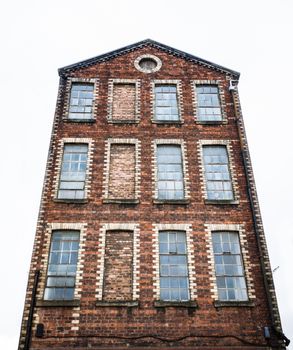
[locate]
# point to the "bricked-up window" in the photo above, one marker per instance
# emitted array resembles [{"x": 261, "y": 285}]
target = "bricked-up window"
[
  {"x": 122, "y": 171},
  {"x": 61, "y": 273},
  {"x": 118, "y": 266},
  {"x": 170, "y": 179},
  {"x": 174, "y": 285},
  {"x": 208, "y": 103},
  {"x": 124, "y": 102},
  {"x": 217, "y": 173},
  {"x": 229, "y": 266},
  {"x": 73, "y": 172},
  {"x": 81, "y": 101},
  {"x": 166, "y": 103}
]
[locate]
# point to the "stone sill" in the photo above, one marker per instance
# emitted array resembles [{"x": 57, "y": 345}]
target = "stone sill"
[
  {"x": 91, "y": 120},
  {"x": 211, "y": 122},
  {"x": 219, "y": 303},
  {"x": 121, "y": 201},
  {"x": 135, "y": 121},
  {"x": 73, "y": 201},
  {"x": 130, "y": 303},
  {"x": 161, "y": 122},
  {"x": 221, "y": 202},
  {"x": 57, "y": 303},
  {"x": 170, "y": 201},
  {"x": 190, "y": 304}
]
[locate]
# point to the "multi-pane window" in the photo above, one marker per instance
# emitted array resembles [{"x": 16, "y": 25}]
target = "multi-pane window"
[
  {"x": 170, "y": 179},
  {"x": 61, "y": 273},
  {"x": 208, "y": 103},
  {"x": 166, "y": 103},
  {"x": 73, "y": 172},
  {"x": 174, "y": 285},
  {"x": 229, "y": 266},
  {"x": 81, "y": 101},
  {"x": 217, "y": 173}
]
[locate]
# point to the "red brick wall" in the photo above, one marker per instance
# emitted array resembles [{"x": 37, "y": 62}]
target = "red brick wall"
[
  {"x": 146, "y": 325},
  {"x": 122, "y": 171},
  {"x": 123, "y": 102}
]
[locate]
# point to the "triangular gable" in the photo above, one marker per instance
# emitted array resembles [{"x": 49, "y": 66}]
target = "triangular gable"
[{"x": 148, "y": 42}]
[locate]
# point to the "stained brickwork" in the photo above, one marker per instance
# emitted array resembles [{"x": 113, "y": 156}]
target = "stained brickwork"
[
  {"x": 122, "y": 171},
  {"x": 118, "y": 266},
  {"x": 138, "y": 322}
]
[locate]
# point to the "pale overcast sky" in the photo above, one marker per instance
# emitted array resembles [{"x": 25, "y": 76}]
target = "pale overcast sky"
[{"x": 37, "y": 37}]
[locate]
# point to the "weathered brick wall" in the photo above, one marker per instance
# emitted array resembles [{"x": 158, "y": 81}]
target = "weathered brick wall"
[
  {"x": 92, "y": 325},
  {"x": 118, "y": 266},
  {"x": 122, "y": 171},
  {"x": 124, "y": 102}
]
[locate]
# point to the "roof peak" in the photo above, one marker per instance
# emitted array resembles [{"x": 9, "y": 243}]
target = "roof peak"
[{"x": 145, "y": 42}]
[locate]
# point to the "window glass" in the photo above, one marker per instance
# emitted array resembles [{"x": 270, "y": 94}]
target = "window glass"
[
  {"x": 170, "y": 172},
  {"x": 208, "y": 103},
  {"x": 217, "y": 173},
  {"x": 73, "y": 171},
  {"x": 173, "y": 266},
  {"x": 229, "y": 269},
  {"x": 81, "y": 101},
  {"x": 166, "y": 104},
  {"x": 61, "y": 273}
]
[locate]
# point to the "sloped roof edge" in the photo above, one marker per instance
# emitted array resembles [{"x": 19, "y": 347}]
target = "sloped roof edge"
[{"x": 147, "y": 42}]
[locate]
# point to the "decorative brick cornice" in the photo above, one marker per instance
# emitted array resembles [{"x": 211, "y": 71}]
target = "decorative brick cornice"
[
  {"x": 101, "y": 256},
  {"x": 106, "y": 172},
  {"x": 181, "y": 143},
  {"x": 69, "y": 82},
  {"x": 187, "y": 228},
  {"x": 111, "y": 84},
  {"x": 59, "y": 157},
  {"x": 223, "y": 105},
  {"x": 178, "y": 93},
  {"x": 232, "y": 167},
  {"x": 248, "y": 266}
]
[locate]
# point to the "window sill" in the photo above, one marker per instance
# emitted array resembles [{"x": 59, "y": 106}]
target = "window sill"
[
  {"x": 190, "y": 304},
  {"x": 57, "y": 303},
  {"x": 120, "y": 201},
  {"x": 90, "y": 120},
  {"x": 221, "y": 202},
  {"x": 176, "y": 122},
  {"x": 74, "y": 201},
  {"x": 134, "y": 121},
  {"x": 211, "y": 122},
  {"x": 171, "y": 201},
  {"x": 130, "y": 303},
  {"x": 219, "y": 303}
]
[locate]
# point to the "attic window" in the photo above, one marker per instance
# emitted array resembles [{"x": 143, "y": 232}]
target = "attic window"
[{"x": 147, "y": 63}]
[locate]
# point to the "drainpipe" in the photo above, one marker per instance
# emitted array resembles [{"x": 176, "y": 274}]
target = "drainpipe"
[{"x": 31, "y": 311}]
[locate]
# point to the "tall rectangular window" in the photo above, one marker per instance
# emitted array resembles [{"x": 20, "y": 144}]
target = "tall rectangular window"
[
  {"x": 217, "y": 173},
  {"x": 208, "y": 103},
  {"x": 81, "y": 101},
  {"x": 124, "y": 102},
  {"x": 170, "y": 179},
  {"x": 62, "y": 266},
  {"x": 73, "y": 172},
  {"x": 229, "y": 266},
  {"x": 118, "y": 273},
  {"x": 174, "y": 285},
  {"x": 166, "y": 103}
]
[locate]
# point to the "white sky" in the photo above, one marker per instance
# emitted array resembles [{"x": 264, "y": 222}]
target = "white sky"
[{"x": 37, "y": 37}]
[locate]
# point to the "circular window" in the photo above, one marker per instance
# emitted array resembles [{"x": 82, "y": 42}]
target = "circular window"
[{"x": 148, "y": 63}]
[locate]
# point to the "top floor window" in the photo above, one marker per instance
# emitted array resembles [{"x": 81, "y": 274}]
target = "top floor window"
[
  {"x": 166, "y": 103},
  {"x": 81, "y": 101},
  {"x": 208, "y": 103}
]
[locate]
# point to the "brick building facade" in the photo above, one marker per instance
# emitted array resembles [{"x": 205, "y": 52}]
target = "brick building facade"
[{"x": 149, "y": 233}]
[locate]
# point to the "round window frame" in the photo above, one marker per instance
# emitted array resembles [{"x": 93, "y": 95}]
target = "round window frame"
[{"x": 147, "y": 71}]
